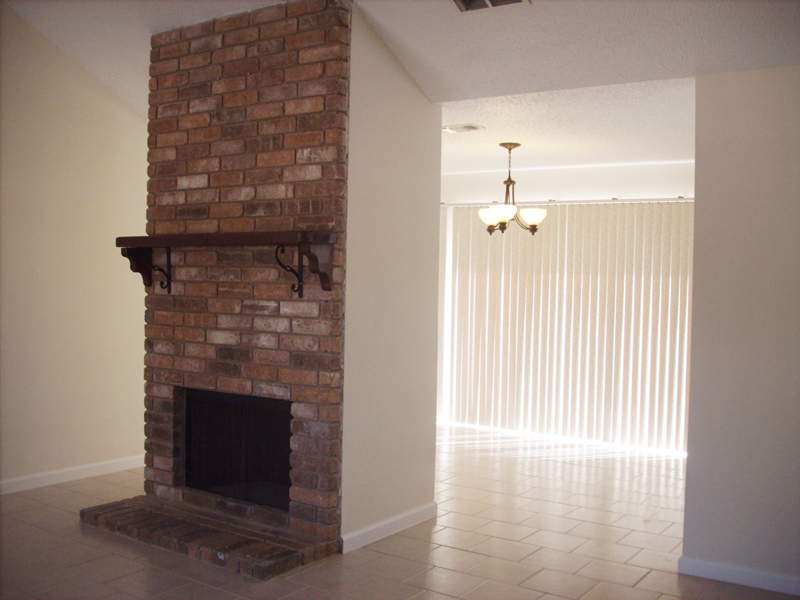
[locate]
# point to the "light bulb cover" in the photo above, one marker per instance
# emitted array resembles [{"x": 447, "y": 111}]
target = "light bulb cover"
[
  {"x": 533, "y": 216},
  {"x": 503, "y": 212},
  {"x": 488, "y": 217}
]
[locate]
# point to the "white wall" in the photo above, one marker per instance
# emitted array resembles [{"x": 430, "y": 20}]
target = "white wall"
[
  {"x": 73, "y": 176},
  {"x": 390, "y": 335},
  {"x": 743, "y": 472}
]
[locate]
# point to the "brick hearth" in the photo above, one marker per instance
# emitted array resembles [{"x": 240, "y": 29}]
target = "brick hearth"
[{"x": 248, "y": 120}]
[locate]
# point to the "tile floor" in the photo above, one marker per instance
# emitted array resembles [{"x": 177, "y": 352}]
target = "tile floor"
[{"x": 519, "y": 519}]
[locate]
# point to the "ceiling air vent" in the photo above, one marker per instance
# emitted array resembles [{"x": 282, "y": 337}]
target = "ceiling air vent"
[
  {"x": 467, "y": 5},
  {"x": 465, "y": 128}
]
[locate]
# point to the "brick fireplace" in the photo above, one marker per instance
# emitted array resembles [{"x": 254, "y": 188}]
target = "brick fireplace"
[{"x": 248, "y": 122}]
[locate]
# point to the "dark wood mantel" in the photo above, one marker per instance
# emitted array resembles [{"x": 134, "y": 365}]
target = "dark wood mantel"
[{"x": 315, "y": 245}]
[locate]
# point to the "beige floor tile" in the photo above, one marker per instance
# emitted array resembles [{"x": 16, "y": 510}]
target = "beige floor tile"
[
  {"x": 612, "y": 572},
  {"x": 463, "y": 522},
  {"x": 451, "y": 558},
  {"x": 670, "y": 514},
  {"x": 551, "y": 523},
  {"x": 504, "y": 571},
  {"x": 557, "y": 541},
  {"x": 607, "y": 551},
  {"x": 465, "y": 507},
  {"x": 556, "y": 560},
  {"x": 493, "y": 590},
  {"x": 106, "y": 568},
  {"x": 41, "y": 494},
  {"x": 394, "y": 567},
  {"x": 505, "y": 514},
  {"x": 73, "y": 502},
  {"x": 329, "y": 578},
  {"x": 196, "y": 591},
  {"x": 422, "y": 531},
  {"x": 682, "y": 586},
  {"x": 374, "y": 587},
  {"x": 551, "y": 483},
  {"x": 505, "y": 500},
  {"x": 595, "y": 531},
  {"x": 593, "y": 515},
  {"x": 718, "y": 590},
  {"x": 650, "y": 541},
  {"x": 506, "y": 549},
  {"x": 404, "y": 547},
  {"x": 439, "y": 486},
  {"x": 665, "y": 502},
  {"x": 470, "y": 481},
  {"x": 273, "y": 589},
  {"x": 465, "y": 493},
  {"x": 585, "y": 501},
  {"x": 148, "y": 582},
  {"x": 85, "y": 589},
  {"x": 556, "y": 509},
  {"x": 674, "y": 530},
  {"x": 355, "y": 558},
  {"x": 507, "y": 531},
  {"x": 31, "y": 577},
  {"x": 311, "y": 594},
  {"x": 610, "y": 591},
  {"x": 455, "y": 538},
  {"x": 651, "y": 525},
  {"x": 507, "y": 487},
  {"x": 562, "y": 584},
  {"x": 547, "y": 494},
  {"x": 632, "y": 508},
  {"x": 429, "y": 595},
  {"x": 446, "y": 582},
  {"x": 650, "y": 559},
  {"x": 629, "y": 495}
]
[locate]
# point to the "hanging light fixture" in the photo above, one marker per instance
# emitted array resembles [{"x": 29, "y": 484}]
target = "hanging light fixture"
[{"x": 497, "y": 216}]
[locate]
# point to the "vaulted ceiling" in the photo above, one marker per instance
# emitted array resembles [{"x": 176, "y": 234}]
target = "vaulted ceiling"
[{"x": 576, "y": 81}]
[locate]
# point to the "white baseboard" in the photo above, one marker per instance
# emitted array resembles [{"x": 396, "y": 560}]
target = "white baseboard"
[
  {"x": 757, "y": 578},
  {"x": 382, "y": 529},
  {"x": 29, "y": 482}
]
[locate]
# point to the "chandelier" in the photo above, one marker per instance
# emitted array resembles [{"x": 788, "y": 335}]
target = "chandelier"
[{"x": 497, "y": 216}]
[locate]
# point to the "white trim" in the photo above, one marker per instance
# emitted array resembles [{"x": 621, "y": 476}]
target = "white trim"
[
  {"x": 757, "y": 578},
  {"x": 29, "y": 482},
  {"x": 644, "y": 163},
  {"x": 382, "y": 529}
]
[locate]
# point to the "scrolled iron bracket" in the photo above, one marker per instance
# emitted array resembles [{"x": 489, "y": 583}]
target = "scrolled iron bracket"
[
  {"x": 298, "y": 273},
  {"x": 141, "y": 260},
  {"x": 315, "y": 246}
]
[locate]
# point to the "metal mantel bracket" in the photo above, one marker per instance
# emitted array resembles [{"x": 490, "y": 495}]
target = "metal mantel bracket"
[
  {"x": 317, "y": 254},
  {"x": 316, "y": 247},
  {"x": 141, "y": 260}
]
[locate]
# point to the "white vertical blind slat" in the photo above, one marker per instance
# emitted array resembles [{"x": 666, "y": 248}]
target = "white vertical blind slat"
[{"x": 582, "y": 331}]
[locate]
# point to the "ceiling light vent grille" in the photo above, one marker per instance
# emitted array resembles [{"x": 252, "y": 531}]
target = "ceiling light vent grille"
[{"x": 467, "y": 5}]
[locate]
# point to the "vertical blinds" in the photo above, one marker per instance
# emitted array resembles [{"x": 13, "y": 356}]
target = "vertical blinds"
[{"x": 580, "y": 332}]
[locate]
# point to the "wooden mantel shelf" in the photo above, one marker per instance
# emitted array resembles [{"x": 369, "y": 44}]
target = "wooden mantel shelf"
[{"x": 315, "y": 245}]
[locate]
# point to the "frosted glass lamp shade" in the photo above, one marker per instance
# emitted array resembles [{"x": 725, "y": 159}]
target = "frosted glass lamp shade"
[
  {"x": 503, "y": 212},
  {"x": 488, "y": 217},
  {"x": 533, "y": 216}
]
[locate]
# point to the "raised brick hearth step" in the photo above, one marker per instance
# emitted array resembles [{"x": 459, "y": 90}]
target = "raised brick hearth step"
[{"x": 244, "y": 547}]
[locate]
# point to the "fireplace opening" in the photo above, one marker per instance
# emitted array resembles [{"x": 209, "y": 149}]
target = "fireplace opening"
[{"x": 238, "y": 447}]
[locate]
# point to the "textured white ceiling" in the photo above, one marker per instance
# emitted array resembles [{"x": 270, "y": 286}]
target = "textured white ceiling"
[
  {"x": 564, "y": 44},
  {"x": 633, "y": 122}
]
